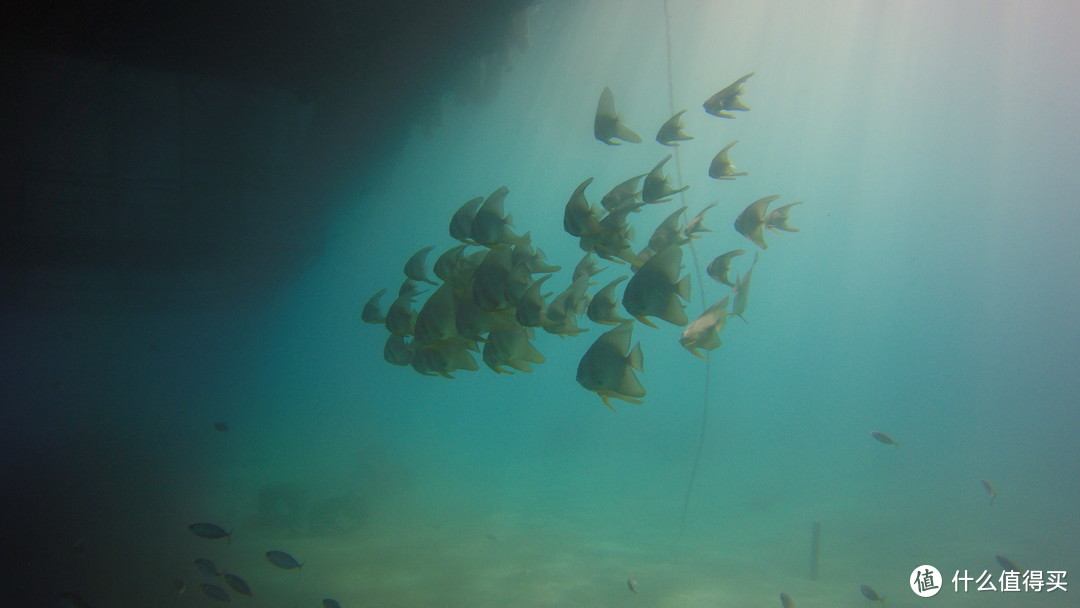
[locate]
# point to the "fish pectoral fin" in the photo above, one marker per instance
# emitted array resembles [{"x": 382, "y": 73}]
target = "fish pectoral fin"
[
  {"x": 607, "y": 402},
  {"x": 694, "y": 351},
  {"x": 736, "y": 104}
]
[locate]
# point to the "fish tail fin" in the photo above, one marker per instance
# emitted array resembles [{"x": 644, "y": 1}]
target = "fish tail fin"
[
  {"x": 683, "y": 288},
  {"x": 624, "y": 133},
  {"x": 636, "y": 359}
]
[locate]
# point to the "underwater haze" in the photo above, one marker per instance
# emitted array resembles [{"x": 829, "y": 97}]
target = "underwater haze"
[{"x": 930, "y": 293}]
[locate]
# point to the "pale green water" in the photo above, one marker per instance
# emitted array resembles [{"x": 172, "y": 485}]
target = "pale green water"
[{"x": 931, "y": 294}]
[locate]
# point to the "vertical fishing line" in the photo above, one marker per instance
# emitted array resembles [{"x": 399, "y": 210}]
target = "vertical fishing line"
[{"x": 700, "y": 282}]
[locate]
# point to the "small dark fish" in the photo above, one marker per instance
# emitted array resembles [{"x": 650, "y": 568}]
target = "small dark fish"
[
  {"x": 989, "y": 487},
  {"x": 786, "y": 601},
  {"x": 211, "y": 531},
  {"x": 179, "y": 586},
  {"x": 884, "y": 438},
  {"x": 632, "y": 583},
  {"x": 329, "y": 603},
  {"x": 1007, "y": 563},
  {"x": 221, "y": 427},
  {"x": 206, "y": 568},
  {"x": 215, "y": 592},
  {"x": 283, "y": 560},
  {"x": 238, "y": 584},
  {"x": 869, "y": 593}
]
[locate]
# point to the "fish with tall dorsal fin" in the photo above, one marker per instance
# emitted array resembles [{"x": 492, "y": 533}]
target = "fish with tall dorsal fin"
[
  {"x": 450, "y": 265},
  {"x": 696, "y": 223},
  {"x": 869, "y": 593},
  {"x": 415, "y": 268},
  {"x": 473, "y": 322},
  {"x": 721, "y": 166},
  {"x": 884, "y": 438},
  {"x": 671, "y": 132},
  {"x": 565, "y": 309},
  {"x": 435, "y": 321},
  {"x": 778, "y": 218},
  {"x": 668, "y": 232},
  {"x": 491, "y": 226},
  {"x": 704, "y": 331},
  {"x": 400, "y": 317},
  {"x": 625, "y": 193},
  {"x": 607, "y": 368},
  {"x": 517, "y": 282},
  {"x": 587, "y": 267},
  {"x": 530, "y": 308},
  {"x": 656, "y": 188},
  {"x": 607, "y": 126},
  {"x": 579, "y": 218},
  {"x": 752, "y": 220},
  {"x": 397, "y": 351},
  {"x": 462, "y": 220},
  {"x": 371, "y": 312},
  {"x": 491, "y": 278},
  {"x": 442, "y": 359},
  {"x": 511, "y": 347},
  {"x": 532, "y": 258},
  {"x": 727, "y": 99},
  {"x": 655, "y": 289},
  {"x": 603, "y": 307},
  {"x": 989, "y": 487},
  {"x": 742, "y": 291},
  {"x": 719, "y": 268},
  {"x": 573, "y": 301},
  {"x": 612, "y": 242}
]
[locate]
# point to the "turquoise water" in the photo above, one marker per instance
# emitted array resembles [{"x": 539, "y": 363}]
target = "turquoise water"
[{"x": 931, "y": 293}]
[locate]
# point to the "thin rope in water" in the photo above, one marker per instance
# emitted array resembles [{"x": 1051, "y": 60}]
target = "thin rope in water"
[{"x": 700, "y": 282}]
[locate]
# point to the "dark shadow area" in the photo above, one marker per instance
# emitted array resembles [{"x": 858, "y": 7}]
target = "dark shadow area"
[{"x": 177, "y": 152}]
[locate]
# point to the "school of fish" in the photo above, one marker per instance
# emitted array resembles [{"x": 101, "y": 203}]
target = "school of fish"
[{"x": 489, "y": 297}]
